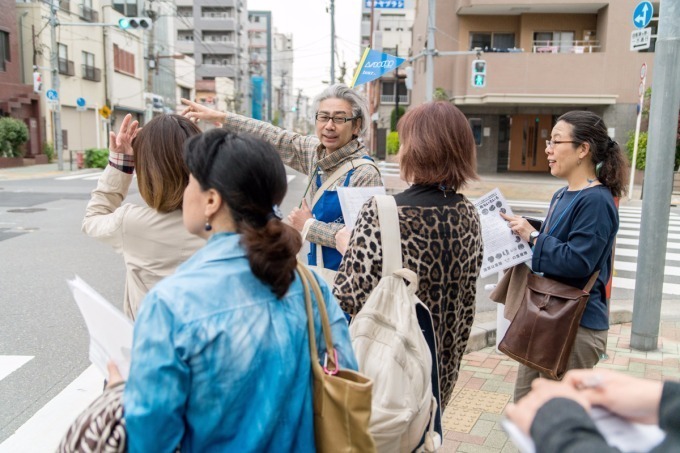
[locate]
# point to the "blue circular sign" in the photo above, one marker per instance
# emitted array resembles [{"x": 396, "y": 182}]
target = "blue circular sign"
[
  {"x": 80, "y": 102},
  {"x": 643, "y": 14},
  {"x": 52, "y": 95}
]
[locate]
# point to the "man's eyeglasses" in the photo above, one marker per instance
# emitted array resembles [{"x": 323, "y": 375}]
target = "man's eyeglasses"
[
  {"x": 323, "y": 118},
  {"x": 552, "y": 143}
]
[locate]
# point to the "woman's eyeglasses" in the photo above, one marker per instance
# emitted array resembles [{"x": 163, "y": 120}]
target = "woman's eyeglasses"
[{"x": 552, "y": 143}]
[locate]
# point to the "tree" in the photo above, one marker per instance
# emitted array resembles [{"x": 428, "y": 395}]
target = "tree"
[
  {"x": 13, "y": 134},
  {"x": 393, "y": 117}
]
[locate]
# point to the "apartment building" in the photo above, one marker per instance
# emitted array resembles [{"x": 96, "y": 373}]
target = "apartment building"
[
  {"x": 392, "y": 26},
  {"x": 282, "y": 79},
  {"x": 542, "y": 59},
  {"x": 17, "y": 98},
  {"x": 213, "y": 33},
  {"x": 260, "y": 58}
]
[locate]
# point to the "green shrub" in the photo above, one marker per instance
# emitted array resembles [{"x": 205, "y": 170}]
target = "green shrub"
[
  {"x": 96, "y": 157},
  {"x": 642, "y": 149},
  {"x": 13, "y": 134},
  {"x": 393, "y": 142},
  {"x": 393, "y": 118},
  {"x": 48, "y": 150}
]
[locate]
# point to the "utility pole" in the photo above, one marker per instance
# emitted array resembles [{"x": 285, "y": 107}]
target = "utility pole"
[
  {"x": 429, "y": 61},
  {"x": 396, "y": 88},
  {"x": 663, "y": 124},
  {"x": 54, "y": 62},
  {"x": 332, "y": 42}
]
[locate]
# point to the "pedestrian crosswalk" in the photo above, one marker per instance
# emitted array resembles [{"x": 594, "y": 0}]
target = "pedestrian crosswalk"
[{"x": 627, "y": 243}]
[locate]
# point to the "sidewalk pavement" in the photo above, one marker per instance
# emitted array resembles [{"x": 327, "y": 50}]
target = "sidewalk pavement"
[{"x": 486, "y": 380}]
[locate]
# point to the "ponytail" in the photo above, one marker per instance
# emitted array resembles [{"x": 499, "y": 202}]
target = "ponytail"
[
  {"x": 613, "y": 170},
  {"x": 272, "y": 253}
]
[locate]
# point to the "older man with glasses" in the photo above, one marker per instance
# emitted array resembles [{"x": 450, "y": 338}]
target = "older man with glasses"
[{"x": 334, "y": 157}]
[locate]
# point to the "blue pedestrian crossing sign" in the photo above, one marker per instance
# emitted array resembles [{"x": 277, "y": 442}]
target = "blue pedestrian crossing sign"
[
  {"x": 52, "y": 95},
  {"x": 80, "y": 102},
  {"x": 643, "y": 14}
]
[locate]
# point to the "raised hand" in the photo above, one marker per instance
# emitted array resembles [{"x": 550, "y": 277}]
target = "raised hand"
[
  {"x": 122, "y": 142},
  {"x": 196, "y": 112}
]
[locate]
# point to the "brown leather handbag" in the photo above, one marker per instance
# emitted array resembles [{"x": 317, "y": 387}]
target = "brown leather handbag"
[
  {"x": 342, "y": 398},
  {"x": 543, "y": 331}
]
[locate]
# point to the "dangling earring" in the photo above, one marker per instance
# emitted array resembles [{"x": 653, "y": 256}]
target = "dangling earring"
[
  {"x": 208, "y": 227},
  {"x": 578, "y": 162}
]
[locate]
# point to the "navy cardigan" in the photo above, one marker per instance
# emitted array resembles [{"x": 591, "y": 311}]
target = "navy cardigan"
[{"x": 580, "y": 244}]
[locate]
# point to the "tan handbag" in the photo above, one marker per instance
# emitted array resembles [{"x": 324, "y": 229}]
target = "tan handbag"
[
  {"x": 342, "y": 398},
  {"x": 542, "y": 333}
]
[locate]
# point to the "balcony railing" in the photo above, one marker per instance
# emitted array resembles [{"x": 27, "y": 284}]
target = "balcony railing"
[
  {"x": 565, "y": 46},
  {"x": 66, "y": 67},
  {"x": 65, "y": 5},
  {"x": 88, "y": 14},
  {"x": 389, "y": 99},
  {"x": 92, "y": 73}
]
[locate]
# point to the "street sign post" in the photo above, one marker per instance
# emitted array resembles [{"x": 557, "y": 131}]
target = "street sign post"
[
  {"x": 52, "y": 99},
  {"x": 641, "y": 98},
  {"x": 642, "y": 15},
  {"x": 81, "y": 105},
  {"x": 640, "y": 39},
  {"x": 105, "y": 112}
]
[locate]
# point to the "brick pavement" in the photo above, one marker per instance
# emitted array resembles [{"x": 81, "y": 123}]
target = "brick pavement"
[{"x": 485, "y": 386}]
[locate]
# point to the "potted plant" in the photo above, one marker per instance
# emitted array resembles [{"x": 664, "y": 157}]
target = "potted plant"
[{"x": 13, "y": 135}]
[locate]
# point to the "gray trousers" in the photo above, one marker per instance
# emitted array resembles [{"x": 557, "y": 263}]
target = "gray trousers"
[{"x": 589, "y": 346}]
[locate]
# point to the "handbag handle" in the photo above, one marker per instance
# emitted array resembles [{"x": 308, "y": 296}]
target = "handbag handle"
[
  {"x": 390, "y": 236},
  {"x": 331, "y": 359}
]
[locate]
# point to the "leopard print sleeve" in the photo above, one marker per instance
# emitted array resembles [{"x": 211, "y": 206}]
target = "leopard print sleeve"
[{"x": 361, "y": 267}]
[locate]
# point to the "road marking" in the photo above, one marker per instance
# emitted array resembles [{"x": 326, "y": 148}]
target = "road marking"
[
  {"x": 620, "y": 251},
  {"x": 79, "y": 176},
  {"x": 290, "y": 178},
  {"x": 636, "y": 233},
  {"x": 629, "y": 283},
  {"x": 45, "y": 429},
  {"x": 635, "y": 243},
  {"x": 631, "y": 266},
  {"x": 11, "y": 363}
]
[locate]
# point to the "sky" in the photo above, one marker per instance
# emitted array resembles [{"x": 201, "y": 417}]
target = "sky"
[{"x": 310, "y": 25}]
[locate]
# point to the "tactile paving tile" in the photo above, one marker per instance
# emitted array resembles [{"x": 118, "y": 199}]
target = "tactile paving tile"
[
  {"x": 459, "y": 420},
  {"x": 479, "y": 400}
]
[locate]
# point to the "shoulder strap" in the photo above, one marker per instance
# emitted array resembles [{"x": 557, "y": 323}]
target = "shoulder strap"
[
  {"x": 548, "y": 218},
  {"x": 390, "y": 238},
  {"x": 591, "y": 282},
  {"x": 339, "y": 173}
]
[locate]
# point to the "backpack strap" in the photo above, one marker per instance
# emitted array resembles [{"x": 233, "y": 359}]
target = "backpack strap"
[
  {"x": 390, "y": 238},
  {"x": 338, "y": 174}
]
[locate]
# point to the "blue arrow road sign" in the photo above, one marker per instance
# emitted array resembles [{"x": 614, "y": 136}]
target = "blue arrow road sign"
[
  {"x": 642, "y": 15},
  {"x": 52, "y": 95},
  {"x": 80, "y": 102}
]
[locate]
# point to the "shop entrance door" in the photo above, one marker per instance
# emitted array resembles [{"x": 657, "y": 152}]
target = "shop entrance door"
[{"x": 528, "y": 134}]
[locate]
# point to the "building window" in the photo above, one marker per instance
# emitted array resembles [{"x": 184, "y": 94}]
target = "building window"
[
  {"x": 492, "y": 42},
  {"x": 64, "y": 64},
  {"x": 185, "y": 11},
  {"x": 554, "y": 42},
  {"x": 123, "y": 61},
  {"x": 476, "y": 126},
  {"x": 218, "y": 60},
  {"x": 219, "y": 36},
  {"x": 185, "y": 93},
  {"x": 217, "y": 13},
  {"x": 126, "y": 7},
  {"x": 89, "y": 71},
  {"x": 87, "y": 13},
  {"x": 185, "y": 35},
  {"x": 5, "y": 54}
]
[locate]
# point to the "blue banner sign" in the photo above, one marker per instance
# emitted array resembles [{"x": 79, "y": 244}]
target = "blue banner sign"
[
  {"x": 392, "y": 4},
  {"x": 374, "y": 64}
]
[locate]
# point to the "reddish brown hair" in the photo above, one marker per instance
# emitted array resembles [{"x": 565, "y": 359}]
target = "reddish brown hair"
[
  {"x": 162, "y": 174},
  {"x": 437, "y": 146}
]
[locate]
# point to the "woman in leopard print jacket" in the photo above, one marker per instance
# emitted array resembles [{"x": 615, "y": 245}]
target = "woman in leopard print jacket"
[{"x": 440, "y": 232}]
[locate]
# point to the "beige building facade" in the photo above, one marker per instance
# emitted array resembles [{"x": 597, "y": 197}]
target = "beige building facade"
[{"x": 542, "y": 60}]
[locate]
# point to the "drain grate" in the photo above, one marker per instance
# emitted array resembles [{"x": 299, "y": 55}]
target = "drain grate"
[{"x": 26, "y": 210}]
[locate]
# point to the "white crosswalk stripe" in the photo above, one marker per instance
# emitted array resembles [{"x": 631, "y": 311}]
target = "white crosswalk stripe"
[{"x": 11, "y": 363}]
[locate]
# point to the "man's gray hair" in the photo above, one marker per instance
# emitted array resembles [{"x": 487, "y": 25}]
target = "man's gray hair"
[{"x": 356, "y": 100}]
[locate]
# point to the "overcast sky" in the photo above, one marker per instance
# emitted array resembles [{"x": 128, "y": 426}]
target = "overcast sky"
[{"x": 310, "y": 25}]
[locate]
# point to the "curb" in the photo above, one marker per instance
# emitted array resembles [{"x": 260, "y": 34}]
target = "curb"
[{"x": 483, "y": 334}]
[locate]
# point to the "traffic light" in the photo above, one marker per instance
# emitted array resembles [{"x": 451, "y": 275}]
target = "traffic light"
[
  {"x": 134, "y": 23},
  {"x": 479, "y": 73}
]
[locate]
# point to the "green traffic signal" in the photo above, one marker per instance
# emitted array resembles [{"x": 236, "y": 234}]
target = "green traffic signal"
[
  {"x": 478, "y": 73},
  {"x": 134, "y": 23}
]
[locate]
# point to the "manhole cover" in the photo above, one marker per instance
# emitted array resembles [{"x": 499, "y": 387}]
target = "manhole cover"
[{"x": 26, "y": 210}]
